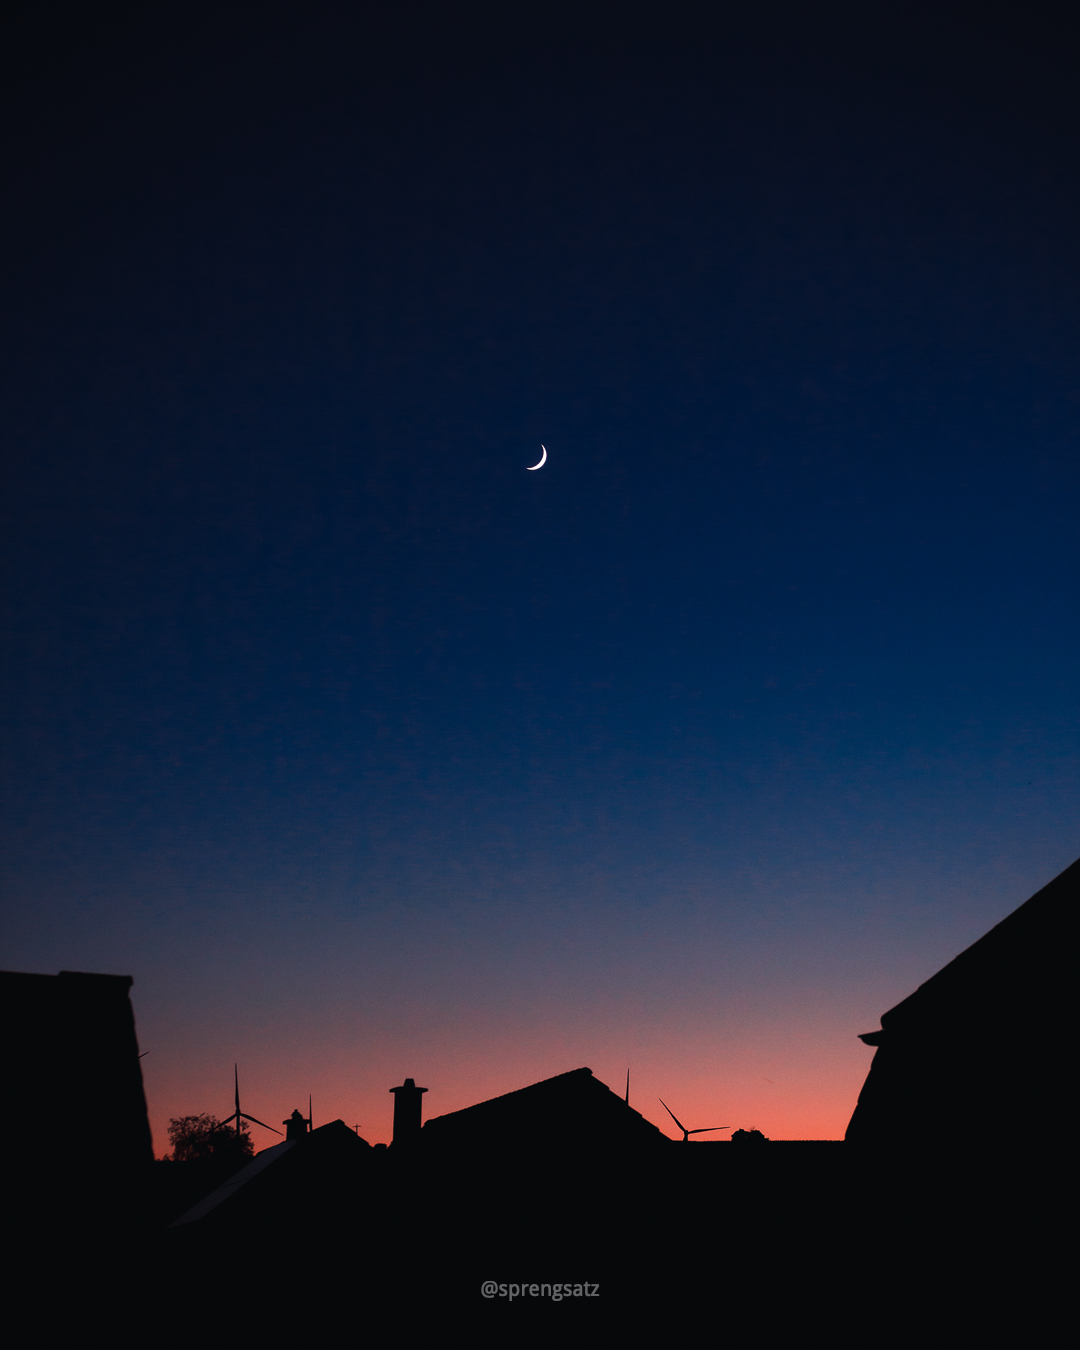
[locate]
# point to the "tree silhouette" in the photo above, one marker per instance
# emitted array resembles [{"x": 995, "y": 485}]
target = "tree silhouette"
[{"x": 205, "y": 1139}]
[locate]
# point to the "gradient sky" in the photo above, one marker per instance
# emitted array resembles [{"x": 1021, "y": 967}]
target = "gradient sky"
[{"x": 370, "y": 754}]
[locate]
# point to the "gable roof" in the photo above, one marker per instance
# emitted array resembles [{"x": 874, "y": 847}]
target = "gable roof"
[
  {"x": 571, "y": 1110},
  {"x": 1015, "y": 971},
  {"x": 279, "y": 1176},
  {"x": 985, "y": 1027}
]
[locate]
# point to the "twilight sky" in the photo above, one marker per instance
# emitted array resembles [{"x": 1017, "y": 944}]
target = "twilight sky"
[{"x": 369, "y": 753}]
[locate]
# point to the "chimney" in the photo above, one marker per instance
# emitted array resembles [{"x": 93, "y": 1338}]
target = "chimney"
[
  {"x": 407, "y": 1101},
  {"x": 296, "y": 1127}
]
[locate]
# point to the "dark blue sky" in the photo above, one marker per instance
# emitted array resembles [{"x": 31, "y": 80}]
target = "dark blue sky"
[{"x": 773, "y": 665}]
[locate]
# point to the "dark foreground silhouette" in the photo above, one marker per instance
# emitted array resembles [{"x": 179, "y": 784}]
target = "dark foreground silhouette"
[
  {"x": 791, "y": 1236},
  {"x": 933, "y": 1219}
]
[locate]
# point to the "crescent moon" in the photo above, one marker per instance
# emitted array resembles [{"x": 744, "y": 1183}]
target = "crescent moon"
[{"x": 543, "y": 460}]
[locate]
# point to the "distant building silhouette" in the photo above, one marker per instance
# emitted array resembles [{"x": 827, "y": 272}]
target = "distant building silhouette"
[
  {"x": 573, "y": 1111},
  {"x": 286, "y": 1182},
  {"x": 980, "y": 1039}
]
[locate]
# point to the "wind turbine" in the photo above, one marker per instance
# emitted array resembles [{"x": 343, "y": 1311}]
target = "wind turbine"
[
  {"x": 707, "y": 1129},
  {"x": 239, "y": 1115}
]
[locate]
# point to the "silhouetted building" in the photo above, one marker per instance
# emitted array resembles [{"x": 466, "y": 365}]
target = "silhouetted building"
[
  {"x": 309, "y": 1177},
  {"x": 75, "y": 1134},
  {"x": 572, "y": 1112},
  {"x": 72, "y": 1083},
  {"x": 981, "y": 1039},
  {"x": 408, "y": 1099}
]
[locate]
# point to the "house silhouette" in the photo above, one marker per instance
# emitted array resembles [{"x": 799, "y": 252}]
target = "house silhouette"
[
  {"x": 74, "y": 1125},
  {"x": 305, "y": 1179},
  {"x": 571, "y": 1112},
  {"x": 981, "y": 1039},
  {"x": 308, "y": 1176},
  {"x": 72, "y": 1061}
]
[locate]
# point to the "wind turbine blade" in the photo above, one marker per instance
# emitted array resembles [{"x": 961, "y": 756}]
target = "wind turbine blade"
[
  {"x": 262, "y": 1123},
  {"x": 708, "y": 1129},
  {"x": 672, "y": 1114}
]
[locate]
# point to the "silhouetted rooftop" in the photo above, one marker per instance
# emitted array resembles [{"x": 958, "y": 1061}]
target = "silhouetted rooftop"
[
  {"x": 277, "y": 1180},
  {"x": 572, "y": 1110},
  {"x": 985, "y": 1027},
  {"x": 1013, "y": 970}
]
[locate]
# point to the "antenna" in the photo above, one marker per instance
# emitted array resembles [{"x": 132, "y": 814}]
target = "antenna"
[
  {"x": 239, "y": 1115},
  {"x": 706, "y": 1129},
  {"x": 310, "y": 1118},
  {"x": 628, "y": 1087}
]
